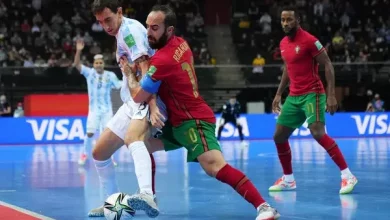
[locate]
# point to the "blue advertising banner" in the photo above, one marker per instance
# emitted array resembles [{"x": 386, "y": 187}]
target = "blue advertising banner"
[{"x": 51, "y": 130}]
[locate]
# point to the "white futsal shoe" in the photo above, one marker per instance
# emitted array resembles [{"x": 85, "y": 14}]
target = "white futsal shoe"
[
  {"x": 146, "y": 202},
  {"x": 266, "y": 212}
]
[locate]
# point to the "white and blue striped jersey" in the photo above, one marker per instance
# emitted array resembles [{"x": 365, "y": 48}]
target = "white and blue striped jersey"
[
  {"x": 99, "y": 89},
  {"x": 132, "y": 42}
]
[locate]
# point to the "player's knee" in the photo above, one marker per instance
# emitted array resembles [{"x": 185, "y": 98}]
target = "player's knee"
[
  {"x": 133, "y": 138},
  {"x": 89, "y": 135},
  {"x": 317, "y": 130},
  {"x": 279, "y": 137},
  {"x": 97, "y": 154},
  {"x": 212, "y": 162}
]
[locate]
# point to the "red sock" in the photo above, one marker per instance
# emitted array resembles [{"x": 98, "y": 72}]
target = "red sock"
[
  {"x": 284, "y": 153},
  {"x": 153, "y": 173},
  {"x": 333, "y": 150},
  {"x": 241, "y": 184}
]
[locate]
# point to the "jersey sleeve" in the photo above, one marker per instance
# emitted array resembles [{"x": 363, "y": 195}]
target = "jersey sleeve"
[
  {"x": 315, "y": 46},
  {"x": 115, "y": 82},
  {"x": 136, "y": 40},
  {"x": 158, "y": 69},
  {"x": 85, "y": 71}
]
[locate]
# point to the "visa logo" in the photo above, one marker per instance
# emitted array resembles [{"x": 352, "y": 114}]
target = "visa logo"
[
  {"x": 372, "y": 124},
  {"x": 57, "y": 129}
]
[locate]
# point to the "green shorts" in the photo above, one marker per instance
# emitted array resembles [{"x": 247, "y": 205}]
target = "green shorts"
[
  {"x": 297, "y": 109},
  {"x": 195, "y": 135}
]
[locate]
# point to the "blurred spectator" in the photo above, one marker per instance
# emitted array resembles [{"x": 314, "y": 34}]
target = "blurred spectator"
[
  {"x": 32, "y": 30},
  {"x": 258, "y": 64},
  {"x": 376, "y": 104},
  {"x": 5, "y": 107},
  {"x": 19, "y": 112}
]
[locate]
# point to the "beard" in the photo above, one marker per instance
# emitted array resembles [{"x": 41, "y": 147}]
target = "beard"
[
  {"x": 291, "y": 32},
  {"x": 160, "y": 43}
]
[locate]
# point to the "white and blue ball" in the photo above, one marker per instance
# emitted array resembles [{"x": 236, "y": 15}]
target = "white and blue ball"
[{"x": 116, "y": 207}]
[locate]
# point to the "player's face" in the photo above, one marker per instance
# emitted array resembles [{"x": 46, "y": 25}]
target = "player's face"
[
  {"x": 289, "y": 22},
  {"x": 109, "y": 20},
  {"x": 98, "y": 65},
  {"x": 158, "y": 34}
]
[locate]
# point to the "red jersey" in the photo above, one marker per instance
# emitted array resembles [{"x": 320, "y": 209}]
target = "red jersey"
[
  {"x": 299, "y": 56},
  {"x": 173, "y": 65}
]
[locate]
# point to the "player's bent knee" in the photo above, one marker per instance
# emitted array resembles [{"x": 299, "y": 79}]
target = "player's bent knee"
[
  {"x": 317, "y": 130},
  {"x": 89, "y": 135},
  {"x": 282, "y": 134},
  {"x": 212, "y": 162}
]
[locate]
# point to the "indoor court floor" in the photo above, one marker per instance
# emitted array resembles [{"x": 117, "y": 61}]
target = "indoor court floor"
[{"x": 45, "y": 182}]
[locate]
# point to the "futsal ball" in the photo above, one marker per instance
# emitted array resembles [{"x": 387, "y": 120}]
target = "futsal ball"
[{"x": 116, "y": 207}]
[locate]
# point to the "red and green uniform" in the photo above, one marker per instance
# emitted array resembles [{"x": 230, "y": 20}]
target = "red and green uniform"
[
  {"x": 307, "y": 99},
  {"x": 191, "y": 122}
]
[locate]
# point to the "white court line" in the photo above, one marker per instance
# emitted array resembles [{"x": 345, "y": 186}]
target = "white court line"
[
  {"x": 25, "y": 211},
  {"x": 7, "y": 190}
]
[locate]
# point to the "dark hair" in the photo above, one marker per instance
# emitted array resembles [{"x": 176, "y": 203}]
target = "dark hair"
[
  {"x": 170, "y": 16},
  {"x": 99, "y": 5},
  {"x": 294, "y": 9}
]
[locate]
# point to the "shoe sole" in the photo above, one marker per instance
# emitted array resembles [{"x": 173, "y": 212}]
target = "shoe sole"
[
  {"x": 140, "y": 204},
  {"x": 95, "y": 215},
  {"x": 280, "y": 190}
]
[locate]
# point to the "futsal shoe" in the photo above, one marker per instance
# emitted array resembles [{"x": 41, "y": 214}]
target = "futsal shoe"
[
  {"x": 145, "y": 202},
  {"x": 98, "y": 212},
  {"x": 83, "y": 159},
  {"x": 347, "y": 184},
  {"x": 266, "y": 212},
  {"x": 282, "y": 185}
]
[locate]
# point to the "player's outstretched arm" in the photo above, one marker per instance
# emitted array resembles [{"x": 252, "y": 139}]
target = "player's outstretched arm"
[
  {"x": 331, "y": 102},
  {"x": 79, "y": 48}
]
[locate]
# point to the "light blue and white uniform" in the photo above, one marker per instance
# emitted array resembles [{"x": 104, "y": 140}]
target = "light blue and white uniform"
[
  {"x": 132, "y": 42},
  {"x": 99, "y": 94}
]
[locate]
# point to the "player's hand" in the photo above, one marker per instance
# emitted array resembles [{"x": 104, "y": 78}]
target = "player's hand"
[
  {"x": 79, "y": 45},
  {"x": 156, "y": 118},
  {"x": 331, "y": 104},
  {"x": 276, "y": 104},
  {"x": 126, "y": 67}
]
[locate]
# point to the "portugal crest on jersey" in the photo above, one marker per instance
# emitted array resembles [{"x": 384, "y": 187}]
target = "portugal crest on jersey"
[{"x": 297, "y": 48}]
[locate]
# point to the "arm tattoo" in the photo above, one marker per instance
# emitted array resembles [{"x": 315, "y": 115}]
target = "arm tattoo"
[{"x": 132, "y": 81}]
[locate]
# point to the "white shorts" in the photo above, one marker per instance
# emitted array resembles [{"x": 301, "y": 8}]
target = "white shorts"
[
  {"x": 97, "y": 121},
  {"x": 128, "y": 111}
]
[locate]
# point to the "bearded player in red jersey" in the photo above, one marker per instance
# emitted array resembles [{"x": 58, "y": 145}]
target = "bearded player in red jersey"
[
  {"x": 191, "y": 122},
  {"x": 302, "y": 53}
]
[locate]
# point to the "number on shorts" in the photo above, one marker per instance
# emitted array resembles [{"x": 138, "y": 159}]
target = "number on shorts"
[
  {"x": 310, "y": 108},
  {"x": 193, "y": 136},
  {"x": 189, "y": 68}
]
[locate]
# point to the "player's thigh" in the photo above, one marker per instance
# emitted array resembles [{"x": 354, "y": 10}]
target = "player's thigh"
[
  {"x": 197, "y": 137},
  {"x": 138, "y": 130},
  {"x": 120, "y": 122},
  {"x": 112, "y": 138},
  {"x": 314, "y": 108},
  {"x": 93, "y": 122},
  {"x": 291, "y": 114},
  {"x": 106, "y": 145}
]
